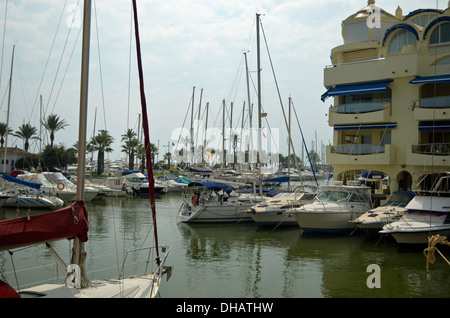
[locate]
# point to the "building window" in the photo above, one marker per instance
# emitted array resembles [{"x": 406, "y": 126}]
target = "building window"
[
  {"x": 441, "y": 34},
  {"x": 400, "y": 39},
  {"x": 423, "y": 19}
]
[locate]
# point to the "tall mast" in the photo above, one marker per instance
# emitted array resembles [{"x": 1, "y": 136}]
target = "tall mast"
[
  {"x": 7, "y": 114},
  {"x": 259, "y": 102},
  {"x": 250, "y": 113},
  {"x": 191, "y": 161},
  {"x": 78, "y": 246}
]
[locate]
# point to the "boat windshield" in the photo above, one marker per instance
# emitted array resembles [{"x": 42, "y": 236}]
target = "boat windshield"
[{"x": 333, "y": 196}]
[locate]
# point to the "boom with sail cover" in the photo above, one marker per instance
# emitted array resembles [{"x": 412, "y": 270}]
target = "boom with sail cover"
[{"x": 68, "y": 222}]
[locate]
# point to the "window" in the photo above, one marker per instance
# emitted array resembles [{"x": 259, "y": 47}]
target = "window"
[
  {"x": 440, "y": 34},
  {"x": 400, "y": 39},
  {"x": 423, "y": 19}
]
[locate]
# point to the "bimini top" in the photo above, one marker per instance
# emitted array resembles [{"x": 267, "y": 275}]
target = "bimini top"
[{"x": 211, "y": 185}]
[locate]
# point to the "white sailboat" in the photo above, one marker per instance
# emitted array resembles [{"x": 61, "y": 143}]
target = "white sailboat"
[
  {"x": 71, "y": 222},
  {"x": 215, "y": 202}
]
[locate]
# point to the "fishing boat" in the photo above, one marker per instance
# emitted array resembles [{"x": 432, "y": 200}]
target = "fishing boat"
[
  {"x": 427, "y": 214},
  {"x": 333, "y": 208},
  {"x": 215, "y": 202},
  {"x": 71, "y": 222},
  {"x": 392, "y": 210},
  {"x": 275, "y": 210}
]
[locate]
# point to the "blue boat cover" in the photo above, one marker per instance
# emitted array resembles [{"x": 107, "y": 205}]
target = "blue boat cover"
[
  {"x": 211, "y": 185},
  {"x": 267, "y": 192},
  {"x": 33, "y": 185},
  {"x": 279, "y": 179}
]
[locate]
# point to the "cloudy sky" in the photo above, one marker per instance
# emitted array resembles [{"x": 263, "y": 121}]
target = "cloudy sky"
[{"x": 185, "y": 44}]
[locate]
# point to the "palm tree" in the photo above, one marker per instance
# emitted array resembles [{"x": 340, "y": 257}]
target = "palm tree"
[
  {"x": 53, "y": 124},
  {"x": 26, "y": 132},
  {"x": 101, "y": 143},
  {"x": 130, "y": 146},
  {"x": 4, "y": 130}
]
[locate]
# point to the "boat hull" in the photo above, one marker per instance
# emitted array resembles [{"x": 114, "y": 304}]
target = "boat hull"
[
  {"x": 417, "y": 236},
  {"x": 325, "y": 221},
  {"x": 274, "y": 218},
  {"x": 213, "y": 213}
]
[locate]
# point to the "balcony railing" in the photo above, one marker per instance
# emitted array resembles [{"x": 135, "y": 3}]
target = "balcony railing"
[
  {"x": 356, "y": 108},
  {"x": 357, "y": 149},
  {"x": 439, "y": 149},
  {"x": 433, "y": 102}
]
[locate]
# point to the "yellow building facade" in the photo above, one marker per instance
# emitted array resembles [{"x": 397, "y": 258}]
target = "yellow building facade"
[{"x": 389, "y": 93}]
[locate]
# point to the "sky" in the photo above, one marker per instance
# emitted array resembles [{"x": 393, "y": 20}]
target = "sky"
[{"x": 185, "y": 44}]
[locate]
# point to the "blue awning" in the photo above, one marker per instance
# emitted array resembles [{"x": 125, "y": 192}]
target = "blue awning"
[
  {"x": 434, "y": 125},
  {"x": 377, "y": 87},
  {"x": 366, "y": 126},
  {"x": 431, "y": 79},
  {"x": 212, "y": 185}
]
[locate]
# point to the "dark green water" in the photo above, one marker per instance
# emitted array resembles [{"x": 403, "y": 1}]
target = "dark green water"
[{"x": 238, "y": 260}]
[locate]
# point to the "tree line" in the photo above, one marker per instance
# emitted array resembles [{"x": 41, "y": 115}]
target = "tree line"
[{"x": 58, "y": 156}]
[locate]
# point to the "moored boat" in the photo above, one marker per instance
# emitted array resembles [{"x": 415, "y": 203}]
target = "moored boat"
[
  {"x": 333, "y": 208},
  {"x": 388, "y": 212}
]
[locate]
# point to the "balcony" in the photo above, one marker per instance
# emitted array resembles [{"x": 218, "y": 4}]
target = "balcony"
[
  {"x": 432, "y": 108},
  {"x": 359, "y": 113},
  {"x": 437, "y": 154},
  {"x": 361, "y": 154}
]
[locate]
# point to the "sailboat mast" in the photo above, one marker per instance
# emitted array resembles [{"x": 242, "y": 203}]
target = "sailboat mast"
[
  {"x": 146, "y": 133},
  {"x": 78, "y": 246},
  {"x": 259, "y": 102},
  {"x": 7, "y": 114}
]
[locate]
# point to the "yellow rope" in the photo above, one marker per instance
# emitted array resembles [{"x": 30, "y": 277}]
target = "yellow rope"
[{"x": 429, "y": 251}]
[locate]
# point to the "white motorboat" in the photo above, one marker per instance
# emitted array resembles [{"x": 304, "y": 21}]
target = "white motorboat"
[
  {"x": 65, "y": 194},
  {"x": 333, "y": 208},
  {"x": 274, "y": 211},
  {"x": 388, "y": 212},
  {"x": 61, "y": 183},
  {"x": 172, "y": 184},
  {"x": 134, "y": 183},
  {"x": 425, "y": 215},
  {"x": 215, "y": 202}
]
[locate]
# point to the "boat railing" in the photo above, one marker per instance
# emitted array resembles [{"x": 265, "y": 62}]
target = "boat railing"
[{"x": 146, "y": 262}]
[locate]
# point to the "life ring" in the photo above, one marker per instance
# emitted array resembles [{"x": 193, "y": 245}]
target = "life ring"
[
  {"x": 194, "y": 199},
  {"x": 60, "y": 186}
]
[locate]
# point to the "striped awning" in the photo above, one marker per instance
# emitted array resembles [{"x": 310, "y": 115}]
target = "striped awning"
[
  {"x": 434, "y": 125},
  {"x": 431, "y": 79},
  {"x": 376, "y": 87},
  {"x": 366, "y": 126}
]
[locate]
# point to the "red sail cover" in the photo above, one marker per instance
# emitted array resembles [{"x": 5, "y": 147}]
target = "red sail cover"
[{"x": 66, "y": 222}]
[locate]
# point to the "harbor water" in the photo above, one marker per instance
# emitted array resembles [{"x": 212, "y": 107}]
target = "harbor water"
[{"x": 241, "y": 260}]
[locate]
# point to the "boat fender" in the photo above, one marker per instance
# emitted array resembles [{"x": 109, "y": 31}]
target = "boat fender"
[
  {"x": 60, "y": 186},
  {"x": 194, "y": 199}
]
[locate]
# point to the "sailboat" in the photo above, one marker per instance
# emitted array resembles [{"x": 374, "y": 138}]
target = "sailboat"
[{"x": 71, "y": 222}]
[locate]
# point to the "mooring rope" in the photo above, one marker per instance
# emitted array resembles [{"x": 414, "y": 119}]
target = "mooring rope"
[{"x": 429, "y": 251}]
